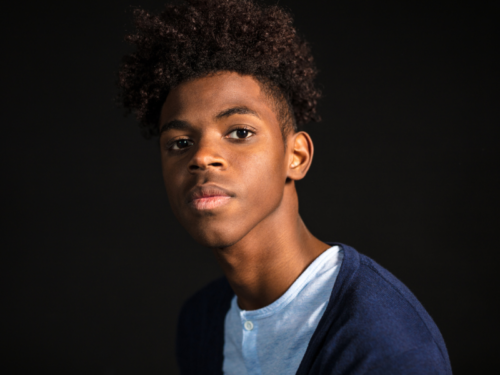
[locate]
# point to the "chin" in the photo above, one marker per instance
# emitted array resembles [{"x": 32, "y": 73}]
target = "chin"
[{"x": 213, "y": 238}]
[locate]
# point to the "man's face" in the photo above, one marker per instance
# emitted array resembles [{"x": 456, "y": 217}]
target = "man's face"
[{"x": 223, "y": 157}]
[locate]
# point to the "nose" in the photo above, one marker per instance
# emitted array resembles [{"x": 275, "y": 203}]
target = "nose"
[{"x": 207, "y": 156}]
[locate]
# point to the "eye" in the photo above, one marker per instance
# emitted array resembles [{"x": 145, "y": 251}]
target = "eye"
[
  {"x": 181, "y": 144},
  {"x": 240, "y": 134}
]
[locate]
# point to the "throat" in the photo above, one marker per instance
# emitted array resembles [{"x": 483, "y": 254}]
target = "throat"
[{"x": 260, "y": 270}]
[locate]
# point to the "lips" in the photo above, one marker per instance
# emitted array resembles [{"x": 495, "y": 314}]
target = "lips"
[{"x": 207, "y": 197}]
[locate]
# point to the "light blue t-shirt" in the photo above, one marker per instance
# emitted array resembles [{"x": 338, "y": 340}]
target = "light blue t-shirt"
[{"x": 273, "y": 339}]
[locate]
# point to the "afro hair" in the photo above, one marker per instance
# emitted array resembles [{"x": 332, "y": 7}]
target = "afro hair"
[{"x": 197, "y": 38}]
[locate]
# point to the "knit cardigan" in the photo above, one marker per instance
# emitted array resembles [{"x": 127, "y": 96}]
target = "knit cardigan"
[{"x": 372, "y": 325}]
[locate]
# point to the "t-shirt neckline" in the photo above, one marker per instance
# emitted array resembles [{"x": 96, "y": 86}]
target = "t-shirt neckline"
[{"x": 298, "y": 285}]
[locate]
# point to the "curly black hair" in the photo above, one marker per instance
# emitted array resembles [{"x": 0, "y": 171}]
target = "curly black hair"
[{"x": 197, "y": 38}]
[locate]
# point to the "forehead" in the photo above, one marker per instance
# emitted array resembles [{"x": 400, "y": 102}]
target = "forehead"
[{"x": 202, "y": 98}]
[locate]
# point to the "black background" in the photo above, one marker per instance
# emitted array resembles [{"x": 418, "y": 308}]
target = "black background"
[{"x": 94, "y": 266}]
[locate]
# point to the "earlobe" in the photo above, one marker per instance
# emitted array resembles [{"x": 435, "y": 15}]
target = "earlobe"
[{"x": 301, "y": 153}]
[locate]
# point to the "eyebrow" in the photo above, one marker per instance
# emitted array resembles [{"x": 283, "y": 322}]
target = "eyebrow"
[
  {"x": 239, "y": 110},
  {"x": 175, "y": 124},
  {"x": 182, "y": 125}
]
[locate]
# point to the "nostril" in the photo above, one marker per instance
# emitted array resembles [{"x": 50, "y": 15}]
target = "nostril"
[{"x": 200, "y": 165}]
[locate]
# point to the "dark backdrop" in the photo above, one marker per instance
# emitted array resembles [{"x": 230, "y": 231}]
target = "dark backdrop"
[{"x": 95, "y": 268}]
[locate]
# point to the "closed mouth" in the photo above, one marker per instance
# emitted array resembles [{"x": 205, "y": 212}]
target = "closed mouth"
[
  {"x": 207, "y": 197},
  {"x": 209, "y": 203}
]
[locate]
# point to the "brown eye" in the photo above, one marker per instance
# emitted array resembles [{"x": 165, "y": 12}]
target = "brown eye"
[
  {"x": 240, "y": 134},
  {"x": 181, "y": 144}
]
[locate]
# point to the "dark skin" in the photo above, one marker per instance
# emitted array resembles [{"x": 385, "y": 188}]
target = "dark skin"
[{"x": 220, "y": 135}]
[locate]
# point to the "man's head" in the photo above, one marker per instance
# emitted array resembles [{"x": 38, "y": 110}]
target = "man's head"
[
  {"x": 223, "y": 162},
  {"x": 224, "y": 83}
]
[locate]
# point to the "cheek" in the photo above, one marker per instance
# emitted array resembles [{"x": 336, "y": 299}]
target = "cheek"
[
  {"x": 172, "y": 180},
  {"x": 262, "y": 174},
  {"x": 167, "y": 176}
]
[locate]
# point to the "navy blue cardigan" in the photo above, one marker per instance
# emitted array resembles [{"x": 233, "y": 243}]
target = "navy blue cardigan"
[{"x": 372, "y": 325}]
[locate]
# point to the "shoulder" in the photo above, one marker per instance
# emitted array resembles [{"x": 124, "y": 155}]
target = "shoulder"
[
  {"x": 214, "y": 293},
  {"x": 200, "y": 328},
  {"x": 204, "y": 306},
  {"x": 381, "y": 300},
  {"x": 373, "y": 321}
]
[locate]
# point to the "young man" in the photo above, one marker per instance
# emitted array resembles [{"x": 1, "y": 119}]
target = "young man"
[{"x": 225, "y": 85}]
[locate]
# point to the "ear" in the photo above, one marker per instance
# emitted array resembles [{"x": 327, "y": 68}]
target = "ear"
[{"x": 300, "y": 150}]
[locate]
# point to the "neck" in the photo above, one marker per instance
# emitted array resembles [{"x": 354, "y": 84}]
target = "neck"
[{"x": 265, "y": 263}]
